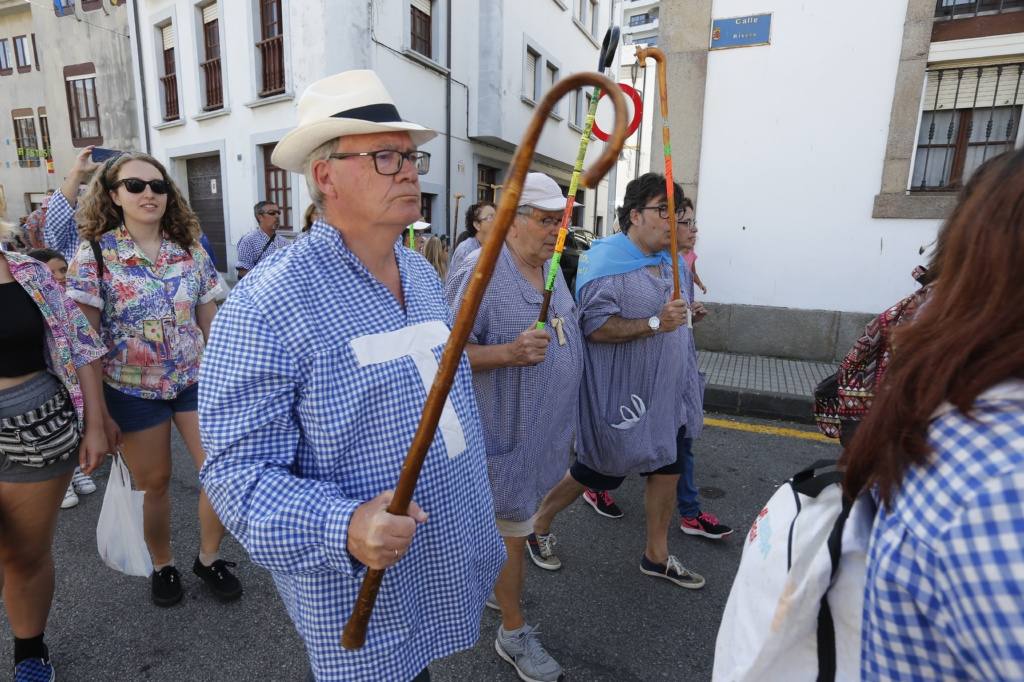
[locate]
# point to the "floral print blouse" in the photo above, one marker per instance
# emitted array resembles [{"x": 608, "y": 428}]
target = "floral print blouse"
[
  {"x": 148, "y": 311},
  {"x": 71, "y": 341}
]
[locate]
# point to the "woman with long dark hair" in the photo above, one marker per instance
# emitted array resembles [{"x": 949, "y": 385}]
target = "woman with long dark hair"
[
  {"x": 942, "y": 450},
  {"x": 146, "y": 284}
]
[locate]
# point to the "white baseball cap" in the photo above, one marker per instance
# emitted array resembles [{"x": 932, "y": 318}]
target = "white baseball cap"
[{"x": 542, "y": 193}]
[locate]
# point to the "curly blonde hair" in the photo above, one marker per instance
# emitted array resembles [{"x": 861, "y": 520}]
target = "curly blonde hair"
[{"x": 98, "y": 213}]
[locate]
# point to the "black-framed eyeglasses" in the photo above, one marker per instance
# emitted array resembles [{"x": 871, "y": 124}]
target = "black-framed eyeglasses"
[
  {"x": 662, "y": 210},
  {"x": 137, "y": 186},
  {"x": 273, "y": 213},
  {"x": 690, "y": 223},
  {"x": 389, "y": 161},
  {"x": 549, "y": 222}
]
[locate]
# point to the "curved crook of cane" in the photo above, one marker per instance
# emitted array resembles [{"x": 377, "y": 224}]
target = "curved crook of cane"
[
  {"x": 642, "y": 54},
  {"x": 354, "y": 634}
]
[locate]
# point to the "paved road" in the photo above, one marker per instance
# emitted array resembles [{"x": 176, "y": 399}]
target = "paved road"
[{"x": 601, "y": 618}]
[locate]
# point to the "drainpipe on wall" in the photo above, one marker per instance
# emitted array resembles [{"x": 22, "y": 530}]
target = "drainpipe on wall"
[
  {"x": 142, "y": 75},
  {"x": 448, "y": 126}
]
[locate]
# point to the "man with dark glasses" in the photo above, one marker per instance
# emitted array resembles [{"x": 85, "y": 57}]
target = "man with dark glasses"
[{"x": 261, "y": 242}]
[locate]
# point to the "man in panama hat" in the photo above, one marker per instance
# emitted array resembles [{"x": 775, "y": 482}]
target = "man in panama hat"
[{"x": 312, "y": 387}]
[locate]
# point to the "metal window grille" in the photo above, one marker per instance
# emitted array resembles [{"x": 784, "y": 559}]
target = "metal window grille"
[
  {"x": 962, "y": 9},
  {"x": 213, "y": 83},
  {"x": 969, "y": 114},
  {"x": 271, "y": 48}
]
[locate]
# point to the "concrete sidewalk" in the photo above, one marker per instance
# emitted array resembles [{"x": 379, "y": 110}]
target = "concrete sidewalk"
[{"x": 761, "y": 387}]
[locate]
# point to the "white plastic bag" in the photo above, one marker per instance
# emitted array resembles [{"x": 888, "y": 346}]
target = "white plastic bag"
[{"x": 119, "y": 535}]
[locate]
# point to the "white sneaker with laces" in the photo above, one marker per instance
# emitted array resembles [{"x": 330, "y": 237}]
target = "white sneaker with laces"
[
  {"x": 70, "y": 498},
  {"x": 82, "y": 483},
  {"x": 523, "y": 650}
]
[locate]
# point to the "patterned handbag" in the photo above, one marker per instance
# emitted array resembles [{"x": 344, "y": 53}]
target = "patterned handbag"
[{"x": 42, "y": 436}]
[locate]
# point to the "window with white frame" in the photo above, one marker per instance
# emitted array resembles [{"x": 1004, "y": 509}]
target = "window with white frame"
[
  {"x": 550, "y": 78},
  {"x": 168, "y": 73},
  {"x": 421, "y": 34},
  {"x": 969, "y": 114},
  {"x": 209, "y": 59},
  {"x": 531, "y": 75},
  {"x": 595, "y": 16},
  {"x": 580, "y": 104}
]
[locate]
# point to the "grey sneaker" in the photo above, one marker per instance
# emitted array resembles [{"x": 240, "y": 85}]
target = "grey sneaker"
[
  {"x": 542, "y": 552},
  {"x": 527, "y": 655},
  {"x": 672, "y": 571}
]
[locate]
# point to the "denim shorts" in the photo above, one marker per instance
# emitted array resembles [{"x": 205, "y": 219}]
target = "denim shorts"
[
  {"x": 138, "y": 414},
  {"x": 23, "y": 398}
]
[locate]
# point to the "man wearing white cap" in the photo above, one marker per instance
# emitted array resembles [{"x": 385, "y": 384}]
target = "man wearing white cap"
[
  {"x": 312, "y": 387},
  {"x": 527, "y": 384}
]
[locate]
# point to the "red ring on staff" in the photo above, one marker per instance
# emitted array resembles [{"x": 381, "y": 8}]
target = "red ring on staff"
[{"x": 638, "y": 112}]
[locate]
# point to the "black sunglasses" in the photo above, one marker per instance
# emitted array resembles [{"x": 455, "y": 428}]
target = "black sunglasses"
[{"x": 137, "y": 186}]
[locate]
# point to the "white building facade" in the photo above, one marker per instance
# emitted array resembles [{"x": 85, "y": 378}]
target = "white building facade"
[
  {"x": 824, "y": 161},
  {"x": 220, "y": 81}
]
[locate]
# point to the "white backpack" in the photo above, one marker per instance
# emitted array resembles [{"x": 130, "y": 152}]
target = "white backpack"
[{"x": 794, "y": 612}]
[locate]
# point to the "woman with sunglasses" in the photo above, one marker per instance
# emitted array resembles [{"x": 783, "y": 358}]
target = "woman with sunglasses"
[{"x": 151, "y": 295}]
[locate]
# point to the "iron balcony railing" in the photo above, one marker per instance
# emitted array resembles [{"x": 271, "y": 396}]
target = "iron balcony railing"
[{"x": 963, "y": 9}]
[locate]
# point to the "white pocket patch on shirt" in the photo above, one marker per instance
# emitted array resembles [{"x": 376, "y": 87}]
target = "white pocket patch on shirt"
[{"x": 417, "y": 342}]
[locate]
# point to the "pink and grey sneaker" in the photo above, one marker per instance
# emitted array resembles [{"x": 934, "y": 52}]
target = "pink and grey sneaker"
[
  {"x": 602, "y": 502},
  {"x": 705, "y": 525}
]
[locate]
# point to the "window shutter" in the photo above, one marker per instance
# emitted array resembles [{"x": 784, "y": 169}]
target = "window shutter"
[
  {"x": 167, "y": 32},
  {"x": 210, "y": 13},
  {"x": 531, "y": 75},
  {"x": 422, "y": 5},
  {"x": 974, "y": 86}
]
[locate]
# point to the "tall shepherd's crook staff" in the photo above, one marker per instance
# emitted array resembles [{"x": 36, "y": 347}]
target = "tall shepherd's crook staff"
[
  {"x": 642, "y": 53},
  {"x": 605, "y": 59},
  {"x": 354, "y": 634}
]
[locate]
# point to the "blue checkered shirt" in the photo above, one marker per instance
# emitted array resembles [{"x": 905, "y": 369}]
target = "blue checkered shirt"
[
  {"x": 945, "y": 585},
  {"x": 307, "y": 406},
  {"x": 251, "y": 248},
  {"x": 529, "y": 413},
  {"x": 61, "y": 232}
]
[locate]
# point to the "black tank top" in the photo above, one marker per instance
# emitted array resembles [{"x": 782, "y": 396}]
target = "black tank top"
[{"x": 22, "y": 333}]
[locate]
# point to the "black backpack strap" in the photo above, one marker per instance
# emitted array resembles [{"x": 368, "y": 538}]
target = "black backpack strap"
[
  {"x": 266, "y": 246},
  {"x": 98, "y": 254},
  {"x": 826, "y": 626},
  {"x": 808, "y": 472}
]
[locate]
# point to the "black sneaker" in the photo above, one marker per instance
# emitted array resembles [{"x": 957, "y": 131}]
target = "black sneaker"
[
  {"x": 222, "y": 582},
  {"x": 166, "y": 586},
  {"x": 602, "y": 502}
]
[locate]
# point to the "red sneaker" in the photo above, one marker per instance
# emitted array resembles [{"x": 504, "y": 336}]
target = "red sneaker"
[
  {"x": 704, "y": 524},
  {"x": 602, "y": 502}
]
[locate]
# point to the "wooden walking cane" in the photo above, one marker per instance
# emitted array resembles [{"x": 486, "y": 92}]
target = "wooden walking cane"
[
  {"x": 642, "y": 54},
  {"x": 455, "y": 232},
  {"x": 604, "y": 60},
  {"x": 354, "y": 634}
]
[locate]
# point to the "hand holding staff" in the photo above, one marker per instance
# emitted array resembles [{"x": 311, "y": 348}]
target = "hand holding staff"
[
  {"x": 354, "y": 634},
  {"x": 642, "y": 53}
]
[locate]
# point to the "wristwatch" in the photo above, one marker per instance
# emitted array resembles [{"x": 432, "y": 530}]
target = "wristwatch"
[{"x": 654, "y": 323}]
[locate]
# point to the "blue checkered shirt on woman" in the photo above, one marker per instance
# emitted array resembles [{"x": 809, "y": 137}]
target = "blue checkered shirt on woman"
[
  {"x": 945, "y": 585},
  {"x": 310, "y": 392},
  {"x": 529, "y": 413}
]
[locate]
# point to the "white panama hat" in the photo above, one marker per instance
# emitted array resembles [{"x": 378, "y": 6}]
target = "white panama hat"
[{"x": 347, "y": 103}]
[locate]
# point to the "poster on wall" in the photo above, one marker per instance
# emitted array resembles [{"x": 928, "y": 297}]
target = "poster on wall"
[{"x": 748, "y": 31}]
